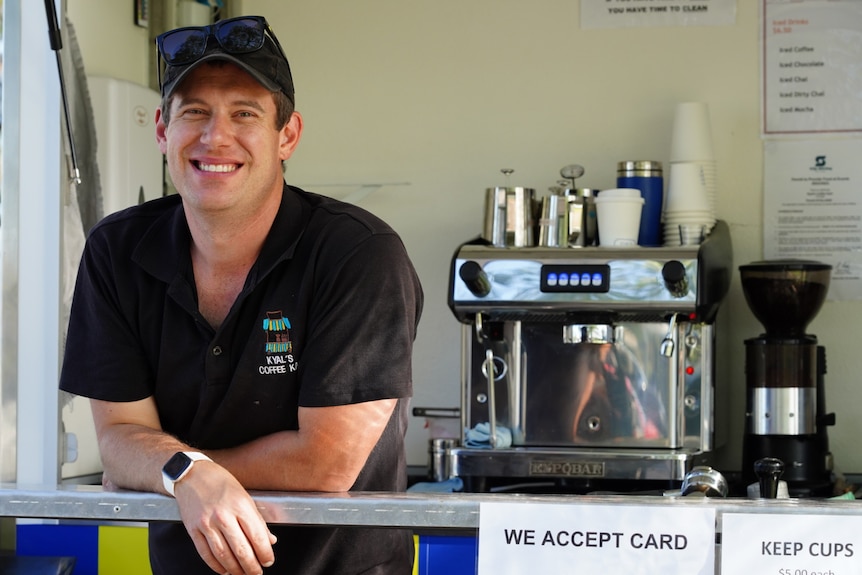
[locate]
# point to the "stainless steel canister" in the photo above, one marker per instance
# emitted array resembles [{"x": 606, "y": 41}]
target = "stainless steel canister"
[
  {"x": 583, "y": 225},
  {"x": 509, "y": 217},
  {"x": 554, "y": 222},
  {"x": 439, "y": 468}
]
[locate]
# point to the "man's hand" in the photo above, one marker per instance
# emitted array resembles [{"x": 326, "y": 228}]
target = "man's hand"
[
  {"x": 223, "y": 521},
  {"x": 218, "y": 513}
]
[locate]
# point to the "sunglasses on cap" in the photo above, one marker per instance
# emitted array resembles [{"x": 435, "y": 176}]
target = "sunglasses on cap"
[{"x": 240, "y": 35}]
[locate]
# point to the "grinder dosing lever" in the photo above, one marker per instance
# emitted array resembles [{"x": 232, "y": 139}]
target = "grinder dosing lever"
[{"x": 768, "y": 471}]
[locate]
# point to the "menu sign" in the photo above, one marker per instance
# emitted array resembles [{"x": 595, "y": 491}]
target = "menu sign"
[
  {"x": 812, "y": 66},
  {"x": 791, "y": 544},
  {"x": 518, "y": 538}
]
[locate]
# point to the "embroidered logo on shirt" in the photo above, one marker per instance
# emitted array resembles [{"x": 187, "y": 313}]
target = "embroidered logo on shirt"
[{"x": 279, "y": 347}]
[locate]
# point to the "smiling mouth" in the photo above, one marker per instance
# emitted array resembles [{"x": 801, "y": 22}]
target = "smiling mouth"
[{"x": 217, "y": 168}]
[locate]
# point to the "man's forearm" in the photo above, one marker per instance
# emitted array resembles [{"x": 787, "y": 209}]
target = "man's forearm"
[
  {"x": 327, "y": 453},
  {"x": 133, "y": 456}
]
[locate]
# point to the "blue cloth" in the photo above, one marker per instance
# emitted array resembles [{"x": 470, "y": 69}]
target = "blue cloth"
[
  {"x": 480, "y": 437},
  {"x": 448, "y": 486}
]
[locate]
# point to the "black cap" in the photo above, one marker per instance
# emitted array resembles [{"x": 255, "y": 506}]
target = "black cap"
[{"x": 267, "y": 65}]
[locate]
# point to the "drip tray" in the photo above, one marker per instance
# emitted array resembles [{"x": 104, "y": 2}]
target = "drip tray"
[{"x": 576, "y": 464}]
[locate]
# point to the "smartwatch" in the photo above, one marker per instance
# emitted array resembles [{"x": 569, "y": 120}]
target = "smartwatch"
[{"x": 178, "y": 466}]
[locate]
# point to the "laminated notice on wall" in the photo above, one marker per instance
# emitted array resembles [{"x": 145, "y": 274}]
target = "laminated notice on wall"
[
  {"x": 656, "y": 13},
  {"x": 812, "y": 209}
]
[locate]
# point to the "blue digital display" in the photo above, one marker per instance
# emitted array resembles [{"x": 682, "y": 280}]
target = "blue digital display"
[{"x": 575, "y": 278}]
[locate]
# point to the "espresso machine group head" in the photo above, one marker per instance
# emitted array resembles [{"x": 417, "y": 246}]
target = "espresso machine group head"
[
  {"x": 587, "y": 364},
  {"x": 786, "y": 415}
]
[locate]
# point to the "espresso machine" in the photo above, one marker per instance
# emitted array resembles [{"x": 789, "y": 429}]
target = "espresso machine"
[
  {"x": 786, "y": 417},
  {"x": 587, "y": 368}
]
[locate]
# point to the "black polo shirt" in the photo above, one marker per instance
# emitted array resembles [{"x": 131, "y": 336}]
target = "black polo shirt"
[{"x": 327, "y": 316}]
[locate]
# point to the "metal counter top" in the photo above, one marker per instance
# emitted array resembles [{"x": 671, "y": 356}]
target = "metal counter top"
[{"x": 418, "y": 511}]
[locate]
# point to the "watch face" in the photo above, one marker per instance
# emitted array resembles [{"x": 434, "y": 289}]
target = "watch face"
[{"x": 175, "y": 466}]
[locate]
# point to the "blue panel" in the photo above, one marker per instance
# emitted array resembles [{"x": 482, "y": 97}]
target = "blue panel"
[
  {"x": 447, "y": 555},
  {"x": 80, "y": 541}
]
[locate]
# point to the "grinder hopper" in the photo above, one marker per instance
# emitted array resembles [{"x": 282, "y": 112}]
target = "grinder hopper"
[{"x": 785, "y": 295}]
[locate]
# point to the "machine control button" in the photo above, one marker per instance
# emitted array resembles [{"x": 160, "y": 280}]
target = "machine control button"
[
  {"x": 475, "y": 278},
  {"x": 575, "y": 278},
  {"x": 692, "y": 341},
  {"x": 675, "y": 278}
]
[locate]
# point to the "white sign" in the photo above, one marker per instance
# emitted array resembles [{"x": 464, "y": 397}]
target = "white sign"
[
  {"x": 656, "y": 13},
  {"x": 518, "y": 538},
  {"x": 812, "y": 66},
  {"x": 812, "y": 208},
  {"x": 791, "y": 544}
]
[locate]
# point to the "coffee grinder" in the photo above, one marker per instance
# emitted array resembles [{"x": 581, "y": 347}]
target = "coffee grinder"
[{"x": 784, "y": 367}]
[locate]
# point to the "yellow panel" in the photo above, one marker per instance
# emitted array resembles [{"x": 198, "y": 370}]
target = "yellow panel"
[{"x": 123, "y": 550}]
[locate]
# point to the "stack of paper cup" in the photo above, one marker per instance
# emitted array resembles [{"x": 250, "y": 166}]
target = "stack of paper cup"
[
  {"x": 690, "y": 199},
  {"x": 688, "y": 216}
]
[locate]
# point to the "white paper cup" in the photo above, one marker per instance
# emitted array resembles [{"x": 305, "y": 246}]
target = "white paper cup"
[
  {"x": 619, "y": 220},
  {"x": 710, "y": 177},
  {"x": 692, "y": 133},
  {"x": 675, "y": 221},
  {"x": 691, "y": 234},
  {"x": 684, "y": 214},
  {"x": 686, "y": 190},
  {"x": 620, "y": 193}
]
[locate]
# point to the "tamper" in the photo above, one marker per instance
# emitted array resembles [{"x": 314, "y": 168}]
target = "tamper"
[{"x": 768, "y": 471}]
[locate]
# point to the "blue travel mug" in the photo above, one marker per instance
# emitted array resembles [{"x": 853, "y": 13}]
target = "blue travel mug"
[{"x": 646, "y": 176}]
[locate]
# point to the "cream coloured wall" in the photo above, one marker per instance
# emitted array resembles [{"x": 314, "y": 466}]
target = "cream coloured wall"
[
  {"x": 433, "y": 99},
  {"x": 110, "y": 41}
]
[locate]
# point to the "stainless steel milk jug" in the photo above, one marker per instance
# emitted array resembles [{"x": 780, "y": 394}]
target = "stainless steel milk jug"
[{"x": 509, "y": 217}]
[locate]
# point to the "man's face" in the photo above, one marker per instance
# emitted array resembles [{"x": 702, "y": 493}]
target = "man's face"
[{"x": 223, "y": 149}]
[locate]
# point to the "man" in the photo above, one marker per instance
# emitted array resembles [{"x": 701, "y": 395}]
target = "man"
[{"x": 245, "y": 334}]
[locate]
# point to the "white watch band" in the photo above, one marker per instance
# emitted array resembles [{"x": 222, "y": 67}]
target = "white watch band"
[{"x": 169, "y": 483}]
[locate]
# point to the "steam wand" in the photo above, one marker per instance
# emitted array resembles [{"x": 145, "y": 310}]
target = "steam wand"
[
  {"x": 56, "y": 45},
  {"x": 667, "y": 344}
]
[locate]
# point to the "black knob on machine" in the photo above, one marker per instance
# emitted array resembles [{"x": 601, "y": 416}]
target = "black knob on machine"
[
  {"x": 675, "y": 279},
  {"x": 475, "y": 278},
  {"x": 768, "y": 471}
]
